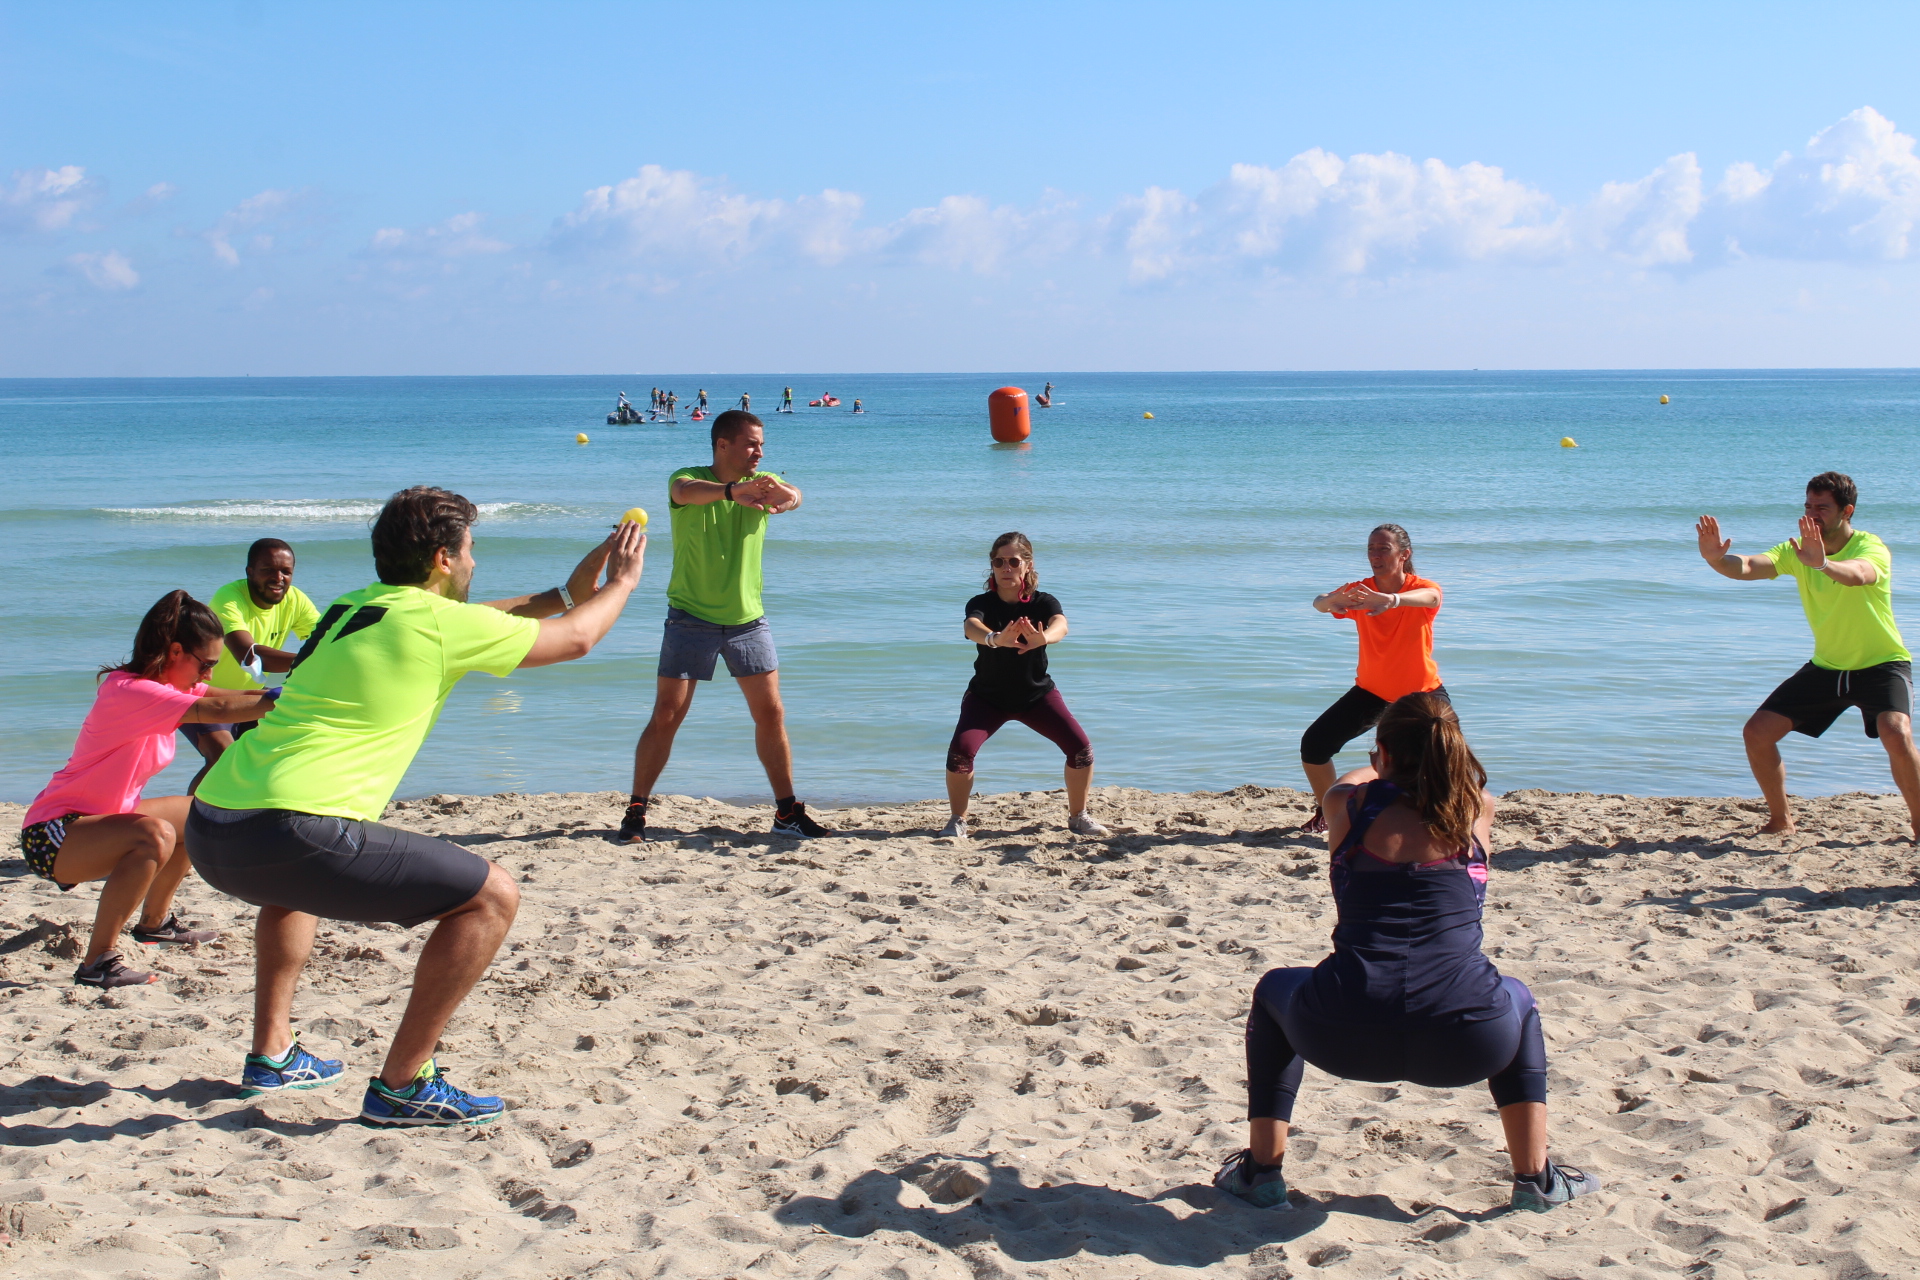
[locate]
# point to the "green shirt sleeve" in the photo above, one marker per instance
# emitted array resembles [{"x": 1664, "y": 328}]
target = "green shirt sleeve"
[
  {"x": 305, "y": 616},
  {"x": 481, "y": 638},
  {"x": 1785, "y": 560},
  {"x": 228, "y": 606}
]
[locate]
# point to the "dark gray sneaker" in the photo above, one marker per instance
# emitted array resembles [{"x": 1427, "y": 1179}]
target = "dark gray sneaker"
[
  {"x": 1563, "y": 1184},
  {"x": 109, "y": 971},
  {"x": 170, "y": 932},
  {"x": 633, "y": 827},
  {"x": 1263, "y": 1188},
  {"x": 799, "y": 825}
]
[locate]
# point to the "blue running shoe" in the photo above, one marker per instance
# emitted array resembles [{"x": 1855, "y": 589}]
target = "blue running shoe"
[
  {"x": 429, "y": 1100},
  {"x": 297, "y": 1070},
  {"x": 1563, "y": 1184},
  {"x": 1264, "y": 1188}
]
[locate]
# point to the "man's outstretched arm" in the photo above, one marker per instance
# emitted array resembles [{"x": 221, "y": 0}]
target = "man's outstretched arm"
[
  {"x": 1717, "y": 552},
  {"x": 574, "y": 633}
]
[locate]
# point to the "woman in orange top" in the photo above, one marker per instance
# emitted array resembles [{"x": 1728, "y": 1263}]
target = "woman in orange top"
[{"x": 1394, "y": 610}]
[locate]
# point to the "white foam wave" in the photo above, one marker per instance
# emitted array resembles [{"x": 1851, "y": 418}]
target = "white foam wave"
[{"x": 318, "y": 510}]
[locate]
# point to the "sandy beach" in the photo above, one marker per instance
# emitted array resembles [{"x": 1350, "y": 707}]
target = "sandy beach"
[{"x": 890, "y": 1054}]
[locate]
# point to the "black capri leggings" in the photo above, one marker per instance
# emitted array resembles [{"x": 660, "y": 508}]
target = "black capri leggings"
[
  {"x": 1508, "y": 1052},
  {"x": 1355, "y": 713}
]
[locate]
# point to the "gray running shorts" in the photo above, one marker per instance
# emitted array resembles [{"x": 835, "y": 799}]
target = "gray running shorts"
[
  {"x": 691, "y": 645},
  {"x": 335, "y": 868}
]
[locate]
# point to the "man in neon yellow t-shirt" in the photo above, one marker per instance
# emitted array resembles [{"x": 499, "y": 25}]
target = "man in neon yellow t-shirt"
[
  {"x": 1845, "y": 576},
  {"x": 288, "y": 819},
  {"x": 261, "y": 614}
]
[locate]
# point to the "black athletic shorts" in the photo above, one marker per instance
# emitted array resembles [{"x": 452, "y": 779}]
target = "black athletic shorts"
[
  {"x": 336, "y": 868},
  {"x": 1355, "y": 713},
  {"x": 1813, "y": 697}
]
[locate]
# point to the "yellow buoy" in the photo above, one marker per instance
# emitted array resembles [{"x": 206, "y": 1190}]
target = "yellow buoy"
[
  {"x": 1566, "y": 442},
  {"x": 1146, "y": 415},
  {"x": 1663, "y": 400},
  {"x": 637, "y": 515},
  {"x": 581, "y": 438}
]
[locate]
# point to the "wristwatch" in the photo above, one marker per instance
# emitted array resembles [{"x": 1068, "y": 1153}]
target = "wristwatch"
[{"x": 729, "y": 491}]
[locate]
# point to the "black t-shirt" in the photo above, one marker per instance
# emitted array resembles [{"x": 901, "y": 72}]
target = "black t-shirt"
[{"x": 1007, "y": 678}]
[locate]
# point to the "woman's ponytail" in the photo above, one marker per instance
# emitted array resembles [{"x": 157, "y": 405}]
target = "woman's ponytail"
[
  {"x": 1432, "y": 762},
  {"x": 175, "y": 618}
]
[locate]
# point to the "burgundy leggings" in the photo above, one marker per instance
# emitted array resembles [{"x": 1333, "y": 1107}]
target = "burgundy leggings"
[{"x": 1049, "y": 717}]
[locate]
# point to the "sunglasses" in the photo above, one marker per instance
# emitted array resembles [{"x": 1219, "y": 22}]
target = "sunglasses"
[
  {"x": 207, "y": 664},
  {"x": 1007, "y": 562}
]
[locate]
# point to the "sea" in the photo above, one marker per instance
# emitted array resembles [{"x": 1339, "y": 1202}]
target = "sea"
[{"x": 1185, "y": 521}]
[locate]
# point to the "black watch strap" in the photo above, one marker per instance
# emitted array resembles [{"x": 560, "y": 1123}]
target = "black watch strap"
[{"x": 729, "y": 491}]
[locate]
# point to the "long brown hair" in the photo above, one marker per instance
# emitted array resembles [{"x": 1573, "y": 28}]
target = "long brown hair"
[
  {"x": 1433, "y": 764},
  {"x": 1018, "y": 541},
  {"x": 176, "y": 618}
]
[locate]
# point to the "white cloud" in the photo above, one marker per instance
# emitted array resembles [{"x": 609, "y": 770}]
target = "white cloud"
[
  {"x": 44, "y": 199},
  {"x": 252, "y": 212},
  {"x": 110, "y": 271},
  {"x": 675, "y": 215},
  {"x": 457, "y": 237},
  {"x": 1646, "y": 222},
  {"x": 1853, "y": 194}
]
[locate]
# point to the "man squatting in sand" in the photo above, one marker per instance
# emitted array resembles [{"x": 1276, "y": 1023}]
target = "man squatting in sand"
[
  {"x": 1845, "y": 576},
  {"x": 713, "y": 609},
  {"x": 262, "y": 613},
  {"x": 1393, "y": 610},
  {"x": 287, "y": 819}
]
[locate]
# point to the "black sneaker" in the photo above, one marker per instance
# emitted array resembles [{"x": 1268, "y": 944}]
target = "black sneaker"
[
  {"x": 109, "y": 971},
  {"x": 633, "y": 827},
  {"x": 798, "y": 825},
  {"x": 170, "y": 932}
]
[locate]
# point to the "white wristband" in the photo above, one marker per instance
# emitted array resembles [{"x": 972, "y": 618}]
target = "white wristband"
[
  {"x": 566, "y": 597},
  {"x": 993, "y": 639}
]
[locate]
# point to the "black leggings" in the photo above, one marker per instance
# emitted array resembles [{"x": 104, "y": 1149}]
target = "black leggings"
[
  {"x": 1356, "y": 712},
  {"x": 1508, "y": 1052}
]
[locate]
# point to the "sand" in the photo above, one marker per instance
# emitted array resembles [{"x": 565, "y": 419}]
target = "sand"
[{"x": 894, "y": 1055}]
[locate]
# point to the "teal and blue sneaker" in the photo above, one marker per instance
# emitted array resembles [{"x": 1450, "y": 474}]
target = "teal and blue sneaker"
[
  {"x": 1262, "y": 1186},
  {"x": 429, "y": 1100},
  {"x": 1563, "y": 1184},
  {"x": 298, "y": 1069}
]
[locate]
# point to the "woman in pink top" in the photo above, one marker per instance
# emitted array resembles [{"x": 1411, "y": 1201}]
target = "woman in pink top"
[{"x": 90, "y": 823}]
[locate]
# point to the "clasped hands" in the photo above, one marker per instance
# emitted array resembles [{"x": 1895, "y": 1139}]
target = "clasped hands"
[
  {"x": 764, "y": 493},
  {"x": 1360, "y": 599}
]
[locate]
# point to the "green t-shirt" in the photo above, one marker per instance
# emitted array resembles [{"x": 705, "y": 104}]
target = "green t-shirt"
[
  {"x": 1853, "y": 627},
  {"x": 716, "y": 556},
  {"x": 367, "y": 687},
  {"x": 273, "y": 626}
]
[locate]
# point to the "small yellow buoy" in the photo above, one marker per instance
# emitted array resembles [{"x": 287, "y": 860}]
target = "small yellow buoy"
[
  {"x": 581, "y": 438},
  {"x": 638, "y": 515},
  {"x": 1146, "y": 415},
  {"x": 1566, "y": 442},
  {"x": 1663, "y": 400}
]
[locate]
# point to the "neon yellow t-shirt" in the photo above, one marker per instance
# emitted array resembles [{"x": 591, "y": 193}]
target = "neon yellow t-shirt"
[
  {"x": 1853, "y": 627},
  {"x": 716, "y": 556},
  {"x": 365, "y": 691},
  {"x": 273, "y": 626}
]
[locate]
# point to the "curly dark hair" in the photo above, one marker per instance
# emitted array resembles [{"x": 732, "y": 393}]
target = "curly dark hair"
[
  {"x": 413, "y": 525},
  {"x": 1837, "y": 483}
]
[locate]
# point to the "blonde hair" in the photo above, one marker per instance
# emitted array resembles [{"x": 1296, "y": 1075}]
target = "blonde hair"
[{"x": 1031, "y": 579}]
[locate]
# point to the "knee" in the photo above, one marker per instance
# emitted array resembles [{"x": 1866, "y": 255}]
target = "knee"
[
  {"x": 769, "y": 715},
  {"x": 667, "y": 716},
  {"x": 959, "y": 762},
  {"x": 499, "y": 896},
  {"x": 1081, "y": 759},
  {"x": 154, "y": 840},
  {"x": 1764, "y": 728}
]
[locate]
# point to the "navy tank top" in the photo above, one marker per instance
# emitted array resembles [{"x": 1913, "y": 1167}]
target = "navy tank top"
[{"x": 1406, "y": 949}]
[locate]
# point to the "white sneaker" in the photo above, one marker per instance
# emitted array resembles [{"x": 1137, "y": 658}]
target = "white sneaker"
[
  {"x": 1081, "y": 825},
  {"x": 956, "y": 827}
]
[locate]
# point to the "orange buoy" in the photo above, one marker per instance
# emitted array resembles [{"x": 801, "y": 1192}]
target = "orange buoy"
[{"x": 1007, "y": 413}]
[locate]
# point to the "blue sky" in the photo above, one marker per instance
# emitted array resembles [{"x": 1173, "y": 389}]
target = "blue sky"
[{"x": 414, "y": 188}]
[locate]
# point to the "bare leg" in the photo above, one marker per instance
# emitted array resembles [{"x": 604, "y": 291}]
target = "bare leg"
[
  {"x": 1763, "y": 732},
  {"x": 211, "y": 748},
  {"x": 1319, "y": 778},
  {"x": 1896, "y": 735},
  {"x": 959, "y": 792},
  {"x": 671, "y": 699},
  {"x": 127, "y": 850},
  {"x": 158, "y": 904},
  {"x": 770, "y": 730},
  {"x": 1525, "y": 1124},
  {"x": 1267, "y": 1139},
  {"x": 282, "y": 941},
  {"x": 1078, "y": 780},
  {"x": 458, "y": 951}
]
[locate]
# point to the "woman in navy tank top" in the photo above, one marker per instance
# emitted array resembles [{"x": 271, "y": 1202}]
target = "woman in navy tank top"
[{"x": 1407, "y": 993}]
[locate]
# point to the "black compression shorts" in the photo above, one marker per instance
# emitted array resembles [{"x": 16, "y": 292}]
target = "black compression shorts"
[
  {"x": 1356, "y": 712},
  {"x": 335, "y": 868},
  {"x": 1813, "y": 697}
]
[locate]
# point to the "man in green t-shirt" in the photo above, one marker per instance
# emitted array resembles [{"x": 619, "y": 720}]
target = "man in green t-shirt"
[
  {"x": 288, "y": 819},
  {"x": 260, "y": 614},
  {"x": 713, "y": 609},
  {"x": 1845, "y": 576}
]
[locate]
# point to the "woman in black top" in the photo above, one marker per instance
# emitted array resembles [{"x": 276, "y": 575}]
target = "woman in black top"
[{"x": 1012, "y": 623}]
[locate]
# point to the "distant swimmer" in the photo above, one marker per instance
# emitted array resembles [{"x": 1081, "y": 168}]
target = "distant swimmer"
[
  {"x": 1845, "y": 576},
  {"x": 289, "y": 819},
  {"x": 1012, "y": 624},
  {"x": 1394, "y": 610},
  {"x": 786, "y": 401},
  {"x": 857, "y": 408},
  {"x": 1407, "y": 994},
  {"x": 92, "y": 823},
  {"x": 262, "y": 613},
  {"x": 703, "y": 399},
  {"x": 746, "y": 403},
  {"x": 673, "y": 407},
  {"x": 714, "y": 610}
]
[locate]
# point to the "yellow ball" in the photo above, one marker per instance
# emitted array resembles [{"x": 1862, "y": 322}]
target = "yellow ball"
[
  {"x": 637, "y": 515},
  {"x": 581, "y": 438},
  {"x": 1146, "y": 415},
  {"x": 1566, "y": 442},
  {"x": 1663, "y": 400}
]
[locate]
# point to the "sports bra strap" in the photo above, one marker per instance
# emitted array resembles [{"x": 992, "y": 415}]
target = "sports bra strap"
[{"x": 1360, "y": 817}]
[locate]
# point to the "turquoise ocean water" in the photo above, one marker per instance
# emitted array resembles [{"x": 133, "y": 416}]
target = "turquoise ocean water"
[{"x": 1585, "y": 643}]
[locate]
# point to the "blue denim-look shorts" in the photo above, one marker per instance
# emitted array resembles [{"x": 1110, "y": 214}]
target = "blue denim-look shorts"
[{"x": 691, "y": 645}]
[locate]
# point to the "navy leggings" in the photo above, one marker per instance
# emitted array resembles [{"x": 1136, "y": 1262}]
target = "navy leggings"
[
  {"x": 1049, "y": 717},
  {"x": 1508, "y": 1052}
]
